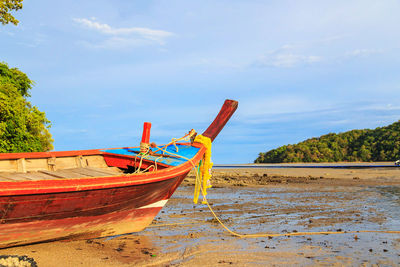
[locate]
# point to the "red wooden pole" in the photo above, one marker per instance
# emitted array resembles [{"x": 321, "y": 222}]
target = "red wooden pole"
[{"x": 145, "y": 137}]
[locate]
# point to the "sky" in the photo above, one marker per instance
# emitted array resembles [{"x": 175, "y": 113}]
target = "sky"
[{"x": 299, "y": 69}]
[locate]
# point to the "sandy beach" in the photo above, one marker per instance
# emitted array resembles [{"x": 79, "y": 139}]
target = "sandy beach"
[{"x": 256, "y": 201}]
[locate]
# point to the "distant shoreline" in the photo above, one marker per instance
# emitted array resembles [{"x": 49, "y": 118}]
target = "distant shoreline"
[
  {"x": 262, "y": 174},
  {"x": 387, "y": 164}
]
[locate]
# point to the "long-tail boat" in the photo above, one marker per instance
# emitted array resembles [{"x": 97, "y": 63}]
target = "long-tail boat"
[{"x": 47, "y": 196}]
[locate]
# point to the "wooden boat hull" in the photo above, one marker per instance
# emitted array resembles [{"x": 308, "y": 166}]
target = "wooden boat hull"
[
  {"x": 83, "y": 214},
  {"x": 43, "y": 200}
]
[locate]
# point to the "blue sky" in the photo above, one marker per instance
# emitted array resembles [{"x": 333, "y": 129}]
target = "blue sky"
[{"x": 299, "y": 69}]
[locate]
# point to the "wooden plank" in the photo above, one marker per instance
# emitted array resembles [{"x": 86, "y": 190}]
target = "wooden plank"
[
  {"x": 34, "y": 176},
  {"x": 4, "y": 178},
  {"x": 51, "y": 163},
  {"x": 59, "y": 174},
  {"x": 14, "y": 176},
  {"x": 23, "y": 176},
  {"x": 8, "y": 165},
  {"x": 95, "y": 161},
  {"x": 79, "y": 160},
  {"x": 69, "y": 173},
  {"x": 66, "y": 162},
  {"x": 36, "y": 164},
  {"x": 21, "y": 165},
  {"x": 38, "y": 176},
  {"x": 91, "y": 172},
  {"x": 115, "y": 170},
  {"x": 53, "y": 174},
  {"x": 107, "y": 171}
]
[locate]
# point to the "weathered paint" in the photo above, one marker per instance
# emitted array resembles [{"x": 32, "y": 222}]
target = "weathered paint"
[
  {"x": 82, "y": 214},
  {"x": 121, "y": 222},
  {"x": 43, "y": 210}
]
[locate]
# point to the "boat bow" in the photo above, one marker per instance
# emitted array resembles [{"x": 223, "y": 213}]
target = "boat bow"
[{"x": 222, "y": 118}]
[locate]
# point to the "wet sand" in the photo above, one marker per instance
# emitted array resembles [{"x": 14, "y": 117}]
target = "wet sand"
[
  {"x": 254, "y": 176},
  {"x": 256, "y": 201}
]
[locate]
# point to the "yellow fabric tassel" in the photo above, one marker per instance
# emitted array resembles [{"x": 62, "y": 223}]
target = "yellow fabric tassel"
[{"x": 204, "y": 169}]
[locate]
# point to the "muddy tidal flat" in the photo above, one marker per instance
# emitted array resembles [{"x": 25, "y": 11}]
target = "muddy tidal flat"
[{"x": 255, "y": 201}]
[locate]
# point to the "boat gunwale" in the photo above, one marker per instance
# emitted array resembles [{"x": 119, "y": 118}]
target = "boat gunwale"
[{"x": 14, "y": 188}]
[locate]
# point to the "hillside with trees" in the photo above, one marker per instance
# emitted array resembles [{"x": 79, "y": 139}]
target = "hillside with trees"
[
  {"x": 23, "y": 127},
  {"x": 380, "y": 144}
]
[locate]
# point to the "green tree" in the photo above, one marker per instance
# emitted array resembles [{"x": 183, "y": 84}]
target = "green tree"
[
  {"x": 23, "y": 127},
  {"x": 6, "y": 7}
]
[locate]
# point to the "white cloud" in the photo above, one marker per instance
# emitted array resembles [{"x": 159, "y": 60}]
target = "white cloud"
[
  {"x": 123, "y": 37},
  {"x": 379, "y": 107},
  {"x": 289, "y": 60},
  {"x": 331, "y": 39},
  {"x": 278, "y": 105},
  {"x": 284, "y": 57},
  {"x": 116, "y": 42},
  {"x": 363, "y": 52}
]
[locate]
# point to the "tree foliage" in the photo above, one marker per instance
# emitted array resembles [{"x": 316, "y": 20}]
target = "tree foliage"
[
  {"x": 23, "y": 127},
  {"x": 6, "y": 7},
  {"x": 380, "y": 144},
  {"x": 17, "y": 78}
]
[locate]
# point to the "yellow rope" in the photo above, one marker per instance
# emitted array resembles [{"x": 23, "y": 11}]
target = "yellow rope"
[
  {"x": 199, "y": 181},
  {"x": 204, "y": 169}
]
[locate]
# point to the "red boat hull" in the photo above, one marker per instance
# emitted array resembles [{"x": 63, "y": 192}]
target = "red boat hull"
[
  {"x": 35, "y": 210},
  {"x": 82, "y": 214}
]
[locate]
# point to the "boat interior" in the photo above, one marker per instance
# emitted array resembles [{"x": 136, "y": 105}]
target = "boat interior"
[
  {"x": 23, "y": 169},
  {"x": 94, "y": 163}
]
